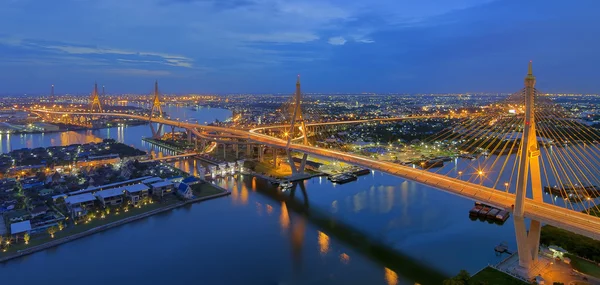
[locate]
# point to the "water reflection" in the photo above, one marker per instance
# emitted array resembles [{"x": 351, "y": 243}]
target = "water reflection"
[
  {"x": 344, "y": 258},
  {"x": 323, "y": 242},
  {"x": 284, "y": 218},
  {"x": 391, "y": 277}
]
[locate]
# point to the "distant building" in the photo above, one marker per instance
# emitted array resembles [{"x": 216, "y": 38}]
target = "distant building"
[{"x": 111, "y": 197}]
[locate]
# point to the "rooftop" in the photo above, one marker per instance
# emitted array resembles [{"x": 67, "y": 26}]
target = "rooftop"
[
  {"x": 152, "y": 180},
  {"x": 20, "y": 227},
  {"x": 82, "y": 198},
  {"x": 110, "y": 192},
  {"x": 136, "y": 188},
  {"x": 162, "y": 184}
]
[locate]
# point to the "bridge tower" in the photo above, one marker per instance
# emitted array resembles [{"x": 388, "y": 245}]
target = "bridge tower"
[
  {"x": 156, "y": 133},
  {"x": 96, "y": 106},
  {"x": 297, "y": 122},
  {"x": 529, "y": 169},
  {"x": 52, "y": 94},
  {"x": 156, "y": 102}
]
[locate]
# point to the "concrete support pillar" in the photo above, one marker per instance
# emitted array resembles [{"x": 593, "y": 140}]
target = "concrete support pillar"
[
  {"x": 156, "y": 133},
  {"x": 261, "y": 153},
  {"x": 189, "y": 136},
  {"x": 236, "y": 147},
  {"x": 274, "y": 157},
  {"x": 224, "y": 151},
  {"x": 291, "y": 162}
]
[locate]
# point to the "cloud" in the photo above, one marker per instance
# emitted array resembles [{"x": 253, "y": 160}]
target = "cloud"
[
  {"x": 168, "y": 59},
  {"x": 337, "y": 41},
  {"x": 284, "y": 37},
  {"x": 137, "y": 72}
]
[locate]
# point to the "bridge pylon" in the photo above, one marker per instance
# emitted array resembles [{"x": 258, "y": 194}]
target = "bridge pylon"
[
  {"x": 529, "y": 168},
  {"x": 95, "y": 105},
  {"x": 156, "y": 103},
  {"x": 52, "y": 94},
  {"x": 297, "y": 122}
]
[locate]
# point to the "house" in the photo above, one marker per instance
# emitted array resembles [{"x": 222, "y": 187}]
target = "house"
[
  {"x": 192, "y": 180},
  {"x": 79, "y": 204},
  {"x": 39, "y": 210},
  {"x": 17, "y": 216},
  {"x": 184, "y": 191},
  {"x": 162, "y": 188},
  {"x": 20, "y": 227},
  {"x": 46, "y": 192},
  {"x": 111, "y": 197},
  {"x": 137, "y": 192}
]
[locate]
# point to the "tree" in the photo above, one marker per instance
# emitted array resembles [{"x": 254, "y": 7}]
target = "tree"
[
  {"x": 61, "y": 226},
  {"x": 461, "y": 279},
  {"x": 26, "y": 238},
  {"x": 51, "y": 231},
  {"x": 107, "y": 210},
  {"x": 1, "y": 239}
]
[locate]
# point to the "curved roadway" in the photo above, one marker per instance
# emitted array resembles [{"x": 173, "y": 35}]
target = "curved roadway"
[{"x": 546, "y": 213}]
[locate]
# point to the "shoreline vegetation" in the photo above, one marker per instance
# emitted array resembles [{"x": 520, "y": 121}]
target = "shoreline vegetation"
[
  {"x": 202, "y": 192},
  {"x": 487, "y": 275}
]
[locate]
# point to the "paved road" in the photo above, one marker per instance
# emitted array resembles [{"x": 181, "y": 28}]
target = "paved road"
[{"x": 546, "y": 213}]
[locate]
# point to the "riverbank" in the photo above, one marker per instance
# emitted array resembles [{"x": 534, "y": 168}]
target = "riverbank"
[
  {"x": 221, "y": 192},
  {"x": 76, "y": 129},
  {"x": 163, "y": 144}
]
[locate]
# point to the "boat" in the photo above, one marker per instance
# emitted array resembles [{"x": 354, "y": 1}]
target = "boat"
[
  {"x": 492, "y": 213},
  {"x": 475, "y": 211},
  {"x": 363, "y": 171},
  {"x": 432, "y": 163},
  {"x": 484, "y": 211},
  {"x": 502, "y": 216},
  {"x": 467, "y": 156}
]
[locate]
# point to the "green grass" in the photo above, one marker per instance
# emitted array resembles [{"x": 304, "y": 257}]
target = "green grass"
[
  {"x": 269, "y": 170},
  {"x": 492, "y": 276},
  {"x": 205, "y": 189},
  {"x": 584, "y": 266},
  {"x": 44, "y": 237}
]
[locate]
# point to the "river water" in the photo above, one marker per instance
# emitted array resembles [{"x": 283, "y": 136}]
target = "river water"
[{"x": 377, "y": 230}]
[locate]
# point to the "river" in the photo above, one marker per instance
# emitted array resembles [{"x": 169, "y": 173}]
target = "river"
[{"x": 258, "y": 235}]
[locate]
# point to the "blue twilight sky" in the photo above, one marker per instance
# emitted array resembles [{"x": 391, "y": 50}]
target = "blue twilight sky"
[{"x": 220, "y": 46}]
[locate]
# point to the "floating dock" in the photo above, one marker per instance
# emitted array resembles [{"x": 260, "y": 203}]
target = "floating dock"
[{"x": 342, "y": 178}]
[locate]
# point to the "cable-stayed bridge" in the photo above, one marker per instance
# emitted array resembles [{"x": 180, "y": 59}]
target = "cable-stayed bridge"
[{"x": 523, "y": 146}]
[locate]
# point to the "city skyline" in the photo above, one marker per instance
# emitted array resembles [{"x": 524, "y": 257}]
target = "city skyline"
[{"x": 246, "y": 46}]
